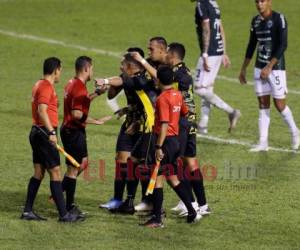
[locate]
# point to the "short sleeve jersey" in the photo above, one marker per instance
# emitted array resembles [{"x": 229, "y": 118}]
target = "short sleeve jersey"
[
  {"x": 270, "y": 37},
  {"x": 169, "y": 108},
  {"x": 208, "y": 10},
  {"x": 76, "y": 97},
  {"x": 43, "y": 92}
]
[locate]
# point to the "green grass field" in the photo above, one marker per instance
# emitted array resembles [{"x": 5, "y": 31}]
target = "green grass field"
[{"x": 255, "y": 213}]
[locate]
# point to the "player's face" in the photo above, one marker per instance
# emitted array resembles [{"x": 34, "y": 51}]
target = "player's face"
[
  {"x": 57, "y": 74},
  {"x": 169, "y": 58},
  {"x": 155, "y": 51},
  {"x": 90, "y": 72},
  {"x": 263, "y": 6},
  {"x": 125, "y": 67}
]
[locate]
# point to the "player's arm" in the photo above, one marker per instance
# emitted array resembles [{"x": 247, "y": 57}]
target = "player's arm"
[
  {"x": 151, "y": 70},
  {"x": 226, "y": 60},
  {"x": 205, "y": 41},
  {"x": 114, "y": 81},
  {"x": 43, "y": 115},
  {"x": 282, "y": 46},
  {"x": 159, "y": 155},
  {"x": 249, "y": 54},
  {"x": 80, "y": 117}
]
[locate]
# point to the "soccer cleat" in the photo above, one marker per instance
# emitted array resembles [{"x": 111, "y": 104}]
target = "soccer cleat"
[
  {"x": 204, "y": 210},
  {"x": 70, "y": 217},
  {"x": 296, "y": 141},
  {"x": 31, "y": 216},
  {"x": 193, "y": 218},
  {"x": 180, "y": 206},
  {"x": 233, "y": 119},
  {"x": 153, "y": 223},
  {"x": 75, "y": 210},
  {"x": 143, "y": 207},
  {"x": 112, "y": 204},
  {"x": 184, "y": 212},
  {"x": 127, "y": 207},
  {"x": 259, "y": 148},
  {"x": 202, "y": 130}
]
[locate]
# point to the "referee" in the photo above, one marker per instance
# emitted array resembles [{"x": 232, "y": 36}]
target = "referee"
[{"x": 43, "y": 139}]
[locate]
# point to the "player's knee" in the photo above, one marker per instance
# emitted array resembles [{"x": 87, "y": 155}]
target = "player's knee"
[
  {"x": 72, "y": 172},
  {"x": 55, "y": 174},
  {"x": 279, "y": 104}
]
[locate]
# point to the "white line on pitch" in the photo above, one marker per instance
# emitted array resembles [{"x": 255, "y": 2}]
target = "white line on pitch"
[
  {"x": 242, "y": 143},
  {"x": 95, "y": 50}
]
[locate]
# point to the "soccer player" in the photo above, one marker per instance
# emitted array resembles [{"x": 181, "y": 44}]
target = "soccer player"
[
  {"x": 43, "y": 139},
  {"x": 269, "y": 33},
  {"x": 169, "y": 107},
  {"x": 76, "y": 117},
  {"x": 211, "y": 37},
  {"x": 187, "y": 131},
  {"x": 133, "y": 136}
]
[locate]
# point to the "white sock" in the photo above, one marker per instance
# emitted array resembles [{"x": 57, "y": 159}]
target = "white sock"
[
  {"x": 205, "y": 110},
  {"x": 263, "y": 126},
  {"x": 289, "y": 120},
  {"x": 113, "y": 104}
]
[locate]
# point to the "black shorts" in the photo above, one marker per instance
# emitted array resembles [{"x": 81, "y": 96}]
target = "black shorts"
[
  {"x": 141, "y": 149},
  {"x": 171, "y": 150},
  {"x": 126, "y": 142},
  {"x": 74, "y": 141},
  {"x": 43, "y": 152},
  {"x": 187, "y": 138}
]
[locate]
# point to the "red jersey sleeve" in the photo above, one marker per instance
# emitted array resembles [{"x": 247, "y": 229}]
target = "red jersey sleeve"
[
  {"x": 79, "y": 100},
  {"x": 164, "y": 110},
  {"x": 44, "y": 94}
]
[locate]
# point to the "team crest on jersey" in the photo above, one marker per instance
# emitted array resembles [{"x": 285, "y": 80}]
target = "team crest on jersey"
[{"x": 270, "y": 24}]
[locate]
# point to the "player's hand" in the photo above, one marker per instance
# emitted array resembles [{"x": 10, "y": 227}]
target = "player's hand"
[
  {"x": 102, "y": 120},
  {"x": 99, "y": 82},
  {"x": 226, "y": 61},
  {"x": 265, "y": 72},
  {"x": 159, "y": 155},
  {"x": 101, "y": 89},
  {"x": 53, "y": 139},
  {"x": 242, "y": 77},
  {"x": 137, "y": 56},
  {"x": 205, "y": 64}
]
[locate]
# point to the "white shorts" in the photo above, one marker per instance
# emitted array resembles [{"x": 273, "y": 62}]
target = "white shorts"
[
  {"x": 275, "y": 85},
  {"x": 206, "y": 79}
]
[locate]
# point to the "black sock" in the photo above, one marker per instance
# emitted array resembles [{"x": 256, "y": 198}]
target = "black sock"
[
  {"x": 198, "y": 187},
  {"x": 70, "y": 187},
  {"x": 63, "y": 184},
  {"x": 158, "y": 196},
  {"x": 131, "y": 181},
  {"x": 33, "y": 188},
  {"x": 58, "y": 197},
  {"x": 120, "y": 180},
  {"x": 183, "y": 194},
  {"x": 185, "y": 180}
]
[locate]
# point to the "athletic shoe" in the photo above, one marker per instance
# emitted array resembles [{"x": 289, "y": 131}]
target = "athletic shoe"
[
  {"x": 204, "y": 210},
  {"x": 31, "y": 216},
  {"x": 127, "y": 207},
  {"x": 233, "y": 119},
  {"x": 185, "y": 212},
  {"x": 75, "y": 210},
  {"x": 143, "y": 207},
  {"x": 296, "y": 141},
  {"x": 202, "y": 130},
  {"x": 112, "y": 204},
  {"x": 193, "y": 218},
  {"x": 259, "y": 148},
  {"x": 153, "y": 223},
  {"x": 180, "y": 207},
  {"x": 70, "y": 217}
]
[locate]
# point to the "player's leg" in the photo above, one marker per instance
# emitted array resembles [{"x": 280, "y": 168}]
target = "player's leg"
[{"x": 277, "y": 80}]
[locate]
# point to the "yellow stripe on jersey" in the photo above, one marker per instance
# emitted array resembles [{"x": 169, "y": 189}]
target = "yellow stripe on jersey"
[{"x": 149, "y": 110}]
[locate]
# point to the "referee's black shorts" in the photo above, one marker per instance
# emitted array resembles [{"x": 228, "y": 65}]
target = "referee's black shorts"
[
  {"x": 43, "y": 151},
  {"x": 187, "y": 138},
  {"x": 74, "y": 141},
  {"x": 127, "y": 142},
  {"x": 171, "y": 150}
]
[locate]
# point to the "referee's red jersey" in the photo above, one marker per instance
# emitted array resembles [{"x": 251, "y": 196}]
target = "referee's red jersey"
[
  {"x": 43, "y": 92},
  {"x": 168, "y": 108},
  {"x": 76, "y": 97}
]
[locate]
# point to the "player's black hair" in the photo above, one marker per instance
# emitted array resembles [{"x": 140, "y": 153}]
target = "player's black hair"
[
  {"x": 136, "y": 49},
  {"x": 81, "y": 62},
  {"x": 177, "y": 48},
  {"x": 160, "y": 40},
  {"x": 50, "y": 65},
  {"x": 165, "y": 75}
]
